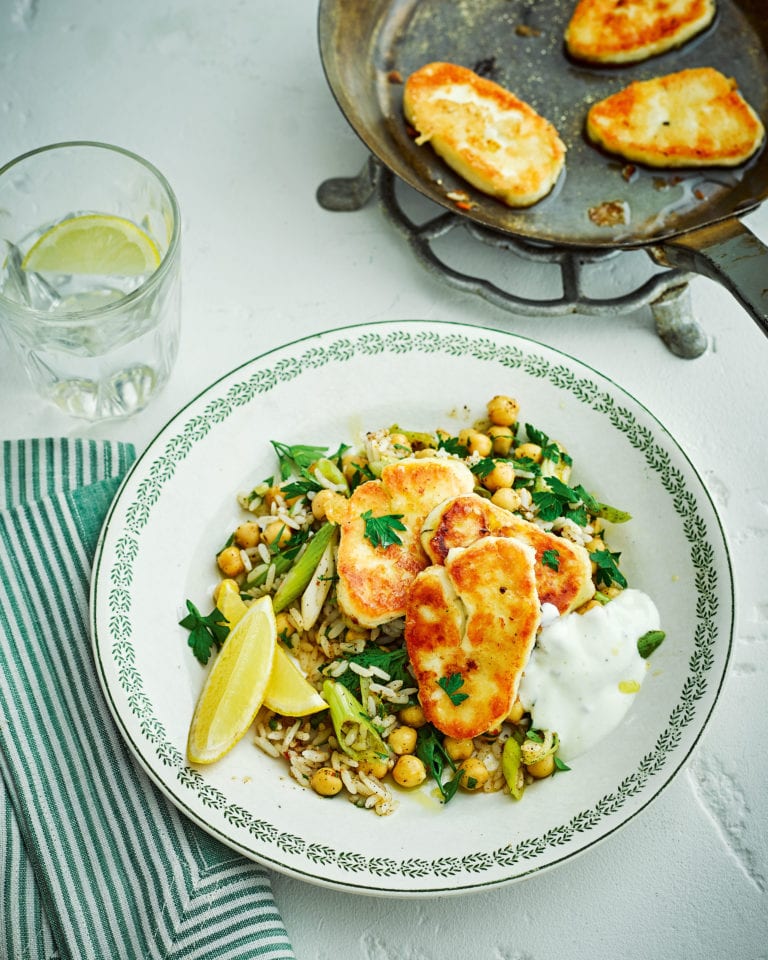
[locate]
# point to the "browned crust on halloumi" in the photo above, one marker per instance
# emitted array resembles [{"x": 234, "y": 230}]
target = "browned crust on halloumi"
[
  {"x": 373, "y": 581},
  {"x": 490, "y": 137},
  {"x": 476, "y": 617},
  {"x": 692, "y": 118},
  {"x": 626, "y": 31},
  {"x": 465, "y": 519}
]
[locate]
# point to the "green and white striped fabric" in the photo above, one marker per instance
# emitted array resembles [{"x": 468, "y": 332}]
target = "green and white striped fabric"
[{"x": 96, "y": 863}]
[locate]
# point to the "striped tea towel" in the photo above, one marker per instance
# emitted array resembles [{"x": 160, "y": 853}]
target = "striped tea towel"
[{"x": 96, "y": 863}]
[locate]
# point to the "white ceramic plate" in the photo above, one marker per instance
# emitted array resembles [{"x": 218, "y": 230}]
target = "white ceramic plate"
[{"x": 177, "y": 506}]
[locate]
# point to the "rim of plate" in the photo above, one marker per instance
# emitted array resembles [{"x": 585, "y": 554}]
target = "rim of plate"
[{"x": 429, "y": 336}]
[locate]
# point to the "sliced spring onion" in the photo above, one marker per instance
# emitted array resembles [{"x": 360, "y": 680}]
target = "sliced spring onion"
[
  {"x": 357, "y": 736},
  {"x": 302, "y": 571},
  {"x": 512, "y": 767}
]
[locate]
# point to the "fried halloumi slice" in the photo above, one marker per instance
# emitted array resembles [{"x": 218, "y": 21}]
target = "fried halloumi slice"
[
  {"x": 459, "y": 522},
  {"x": 469, "y": 629},
  {"x": 693, "y": 118},
  {"x": 373, "y": 580},
  {"x": 626, "y": 31},
  {"x": 490, "y": 137}
]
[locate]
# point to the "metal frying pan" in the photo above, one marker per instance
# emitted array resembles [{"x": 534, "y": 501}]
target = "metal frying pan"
[{"x": 683, "y": 218}]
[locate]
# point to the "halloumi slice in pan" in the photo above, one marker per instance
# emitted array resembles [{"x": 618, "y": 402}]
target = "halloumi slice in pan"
[
  {"x": 373, "y": 580},
  {"x": 563, "y": 578},
  {"x": 490, "y": 137},
  {"x": 627, "y": 31},
  {"x": 692, "y": 118},
  {"x": 469, "y": 629}
]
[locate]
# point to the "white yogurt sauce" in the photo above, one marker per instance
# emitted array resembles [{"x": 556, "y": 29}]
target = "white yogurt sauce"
[{"x": 583, "y": 672}]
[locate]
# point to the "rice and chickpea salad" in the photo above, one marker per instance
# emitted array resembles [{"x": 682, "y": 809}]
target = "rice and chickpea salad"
[{"x": 375, "y": 733}]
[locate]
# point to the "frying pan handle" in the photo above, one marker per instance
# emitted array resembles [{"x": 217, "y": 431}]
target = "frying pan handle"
[{"x": 729, "y": 253}]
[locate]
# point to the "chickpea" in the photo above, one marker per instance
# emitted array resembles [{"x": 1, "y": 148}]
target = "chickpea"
[
  {"x": 475, "y": 775},
  {"x": 326, "y": 781},
  {"x": 409, "y": 771},
  {"x": 530, "y": 451},
  {"x": 247, "y": 535},
  {"x": 271, "y": 496},
  {"x": 475, "y": 442},
  {"x": 412, "y": 716},
  {"x": 374, "y": 768},
  {"x": 542, "y": 768},
  {"x": 402, "y": 740},
  {"x": 276, "y": 533},
  {"x": 351, "y": 465},
  {"x": 507, "y": 499},
  {"x": 501, "y": 438},
  {"x": 230, "y": 562},
  {"x": 458, "y": 749},
  {"x": 515, "y": 715},
  {"x": 500, "y": 478},
  {"x": 329, "y": 504},
  {"x": 355, "y": 637},
  {"x": 503, "y": 410},
  {"x": 400, "y": 442}
]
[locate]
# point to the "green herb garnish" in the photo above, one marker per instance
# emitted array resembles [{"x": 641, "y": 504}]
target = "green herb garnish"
[
  {"x": 451, "y": 684},
  {"x": 430, "y": 750},
  {"x": 551, "y": 558},
  {"x": 205, "y": 632},
  {"x": 381, "y": 531},
  {"x": 452, "y": 445},
  {"x": 392, "y": 662},
  {"x": 607, "y": 568},
  {"x": 483, "y": 467},
  {"x": 293, "y": 458}
]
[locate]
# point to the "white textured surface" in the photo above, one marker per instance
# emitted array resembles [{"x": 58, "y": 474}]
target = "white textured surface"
[{"x": 229, "y": 100}]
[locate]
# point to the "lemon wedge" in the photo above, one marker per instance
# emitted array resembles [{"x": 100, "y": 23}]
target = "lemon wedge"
[
  {"x": 288, "y": 691},
  {"x": 95, "y": 243},
  {"x": 234, "y": 690},
  {"x": 229, "y": 602}
]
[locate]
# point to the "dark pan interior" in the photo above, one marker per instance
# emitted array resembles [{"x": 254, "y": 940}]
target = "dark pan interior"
[{"x": 366, "y": 46}]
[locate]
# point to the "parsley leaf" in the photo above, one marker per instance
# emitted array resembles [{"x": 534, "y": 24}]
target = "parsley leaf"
[
  {"x": 301, "y": 487},
  {"x": 560, "y": 764},
  {"x": 430, "y": 750},
  {"x": 394, "y": 662},
  {"x": 205, "y": 632},
  {"x": 551, "y": 558},
  {"x": 294, "y": 458},
  {"x": 451, "y": 684},
  {"x": 560, "y": 500},
  {"x": 536, "y": 436},
  {"x": 483, "y": 467},
  {"x": 524, "y": 465},
  {"x": 381, "y": 531},
  {"x": 607, "y": 568},
  {"x": 452, "y": 445},
  {"x": 360, "y": 475}
]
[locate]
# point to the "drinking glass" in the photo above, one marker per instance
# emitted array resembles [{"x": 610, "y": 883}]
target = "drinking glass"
[{"x": 90, "y": 276}]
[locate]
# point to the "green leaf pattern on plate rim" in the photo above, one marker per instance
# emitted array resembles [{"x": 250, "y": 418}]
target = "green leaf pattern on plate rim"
[{"x": 341, "y": 350}]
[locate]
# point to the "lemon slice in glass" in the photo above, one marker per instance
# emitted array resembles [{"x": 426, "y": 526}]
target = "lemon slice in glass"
[
  {"x": 234, "y": 690},
  {"x": 288, "y": 692},
  {"x": 95, "y": 243}
]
